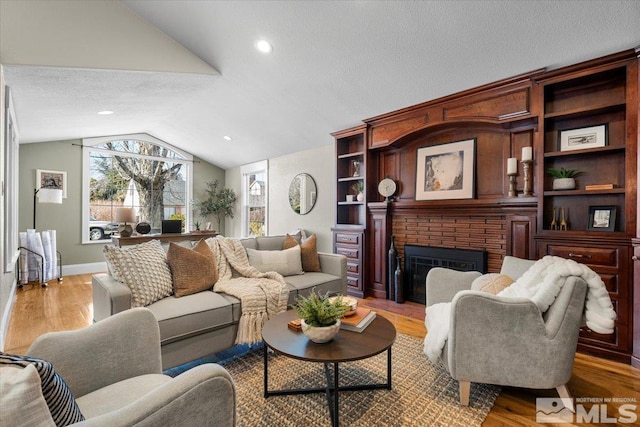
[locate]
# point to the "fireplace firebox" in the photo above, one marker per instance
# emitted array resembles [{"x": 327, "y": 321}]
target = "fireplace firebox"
[{"x": 418, "y": 260}]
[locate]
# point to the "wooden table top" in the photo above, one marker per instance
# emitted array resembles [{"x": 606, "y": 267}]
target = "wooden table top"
[{"x": 346, "y": 346}]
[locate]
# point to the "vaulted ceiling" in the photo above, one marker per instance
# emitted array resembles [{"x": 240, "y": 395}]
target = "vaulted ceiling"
[{"x": 187, "y": 72}]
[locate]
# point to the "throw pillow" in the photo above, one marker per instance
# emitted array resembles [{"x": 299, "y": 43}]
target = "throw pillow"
[
  {"x": 62, "y": 405},
  {"x": 193, "y": 270},
  {"x": 308, "y": 251},
  {"x": 21, "y": 398},
  {"x": 286, "y": 262},
  {"x": 142, "y": 268},
  {"x": 491, "y": 283}
]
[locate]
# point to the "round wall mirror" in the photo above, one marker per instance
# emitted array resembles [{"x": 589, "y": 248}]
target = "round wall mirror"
[{"x": 302, "y": 193}]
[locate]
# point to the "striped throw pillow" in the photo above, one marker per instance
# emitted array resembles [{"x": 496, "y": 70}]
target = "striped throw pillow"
[{"x": 62, "y": 405}]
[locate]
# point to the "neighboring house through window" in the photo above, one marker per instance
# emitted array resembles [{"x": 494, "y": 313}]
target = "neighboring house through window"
[
  {"x": 136, "y": 171},
  {"x": 254, "y": 199}
]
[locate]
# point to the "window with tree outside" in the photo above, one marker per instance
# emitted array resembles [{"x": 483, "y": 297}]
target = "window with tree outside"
[{"x": 133, "y": 171}]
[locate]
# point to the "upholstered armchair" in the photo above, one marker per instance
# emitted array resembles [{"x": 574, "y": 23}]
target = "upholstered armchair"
[
  {"x": 114, "y": 370},
  {"x": 507, "y": 341}
]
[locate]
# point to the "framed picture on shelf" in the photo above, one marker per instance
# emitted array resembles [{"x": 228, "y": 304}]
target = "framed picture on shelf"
[
  {"x": 602, "y": 218},
  {"x": 52, "y": 179},
  {"x": 446, "y": 171},
  {"x": 583, "y": 138}
]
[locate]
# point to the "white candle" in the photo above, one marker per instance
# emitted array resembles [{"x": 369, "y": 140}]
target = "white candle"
[
  {"x": 512, "y": 166},
  {"x": 527, "y": 153}
]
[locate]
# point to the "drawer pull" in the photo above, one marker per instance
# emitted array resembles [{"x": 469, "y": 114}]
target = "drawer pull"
[
  {"x": 635, "y": 258},
  {"x": 572, "y": 255}
]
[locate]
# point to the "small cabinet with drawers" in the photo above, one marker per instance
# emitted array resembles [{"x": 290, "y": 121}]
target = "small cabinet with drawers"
[
  {"x": 611, "y": 260},
  {"x": 350, "y": 243}
]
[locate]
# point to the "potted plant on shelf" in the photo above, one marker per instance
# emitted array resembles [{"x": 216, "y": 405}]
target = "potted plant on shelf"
[
  {"x": 320, "y": 315},
  {"x": 358, "y": 187},
  {"x": 564, "y": 179}
]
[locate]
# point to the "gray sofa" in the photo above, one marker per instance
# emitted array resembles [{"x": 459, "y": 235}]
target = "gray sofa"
[{"x": 197, "y": 325}]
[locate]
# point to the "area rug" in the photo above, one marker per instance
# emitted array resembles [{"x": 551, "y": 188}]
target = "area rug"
[{"x": 421, "y": 395}]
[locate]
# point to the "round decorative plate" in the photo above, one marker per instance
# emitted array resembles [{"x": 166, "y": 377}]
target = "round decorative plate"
[
  {"x": 143, "y": 227},
  {"x": 387, "y": 187}
]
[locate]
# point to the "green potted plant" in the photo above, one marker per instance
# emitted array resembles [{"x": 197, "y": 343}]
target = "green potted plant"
[
  {"x": 564, "y": 179},
  {"x": 219, "y": 202},
  {"x": 320, "y": 315},
  {"x": 358, "y": 187}
]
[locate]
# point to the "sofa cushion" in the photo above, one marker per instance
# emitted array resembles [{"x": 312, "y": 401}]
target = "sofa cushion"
[
  {"x": 193, "y": 270},
  {"x": 286, "y": 262},
  {"x": 57, "y": 394},
  {"x": 303, "y": 284},
  {"x": 118, "y": 395},
  {"x": 308, "y": 251},
  {"x": 144, "y": 269},
  {"x": 196, "y": 313},
  {"x": 269, "y": 243},
  {"x": 491, "y": 283},
  {"x": 21, "y": 398}
]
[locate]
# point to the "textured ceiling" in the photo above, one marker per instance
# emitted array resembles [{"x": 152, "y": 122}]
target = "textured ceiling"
[{"x": 333, "y": 64}]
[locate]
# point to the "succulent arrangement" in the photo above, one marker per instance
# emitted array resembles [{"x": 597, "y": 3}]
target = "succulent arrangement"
[
  {"x": 564, "y": 173},
  {"x": 319, "y": 310}
]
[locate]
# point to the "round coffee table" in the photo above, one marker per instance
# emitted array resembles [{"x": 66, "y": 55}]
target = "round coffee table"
[{"x": 346, "y": 346}]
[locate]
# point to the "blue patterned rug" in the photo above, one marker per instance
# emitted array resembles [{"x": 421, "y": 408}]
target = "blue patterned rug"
[{"x": 222, "y": 358}]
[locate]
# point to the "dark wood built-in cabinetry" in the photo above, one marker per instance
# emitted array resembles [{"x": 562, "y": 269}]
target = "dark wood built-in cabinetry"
[
  {"x": 349, "y": 232},
  {"x": 529, "y": 110},
  {"x": 585, "y": 96}
]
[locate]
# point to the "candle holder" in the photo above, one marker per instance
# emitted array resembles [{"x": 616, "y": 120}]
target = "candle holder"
[
  {"x": 526, "y": 167},
  {"x": 512, "y": 184}
]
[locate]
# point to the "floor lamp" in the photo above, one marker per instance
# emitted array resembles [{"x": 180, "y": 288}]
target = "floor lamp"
[{"x": 45, "y": 195}]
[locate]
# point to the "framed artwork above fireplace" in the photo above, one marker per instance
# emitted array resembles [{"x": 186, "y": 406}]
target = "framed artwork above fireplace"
[{"x": 446, "y": 171}]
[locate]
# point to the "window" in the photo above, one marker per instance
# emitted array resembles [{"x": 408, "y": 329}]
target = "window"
[
  {"x": 135, "y": 171},
  {"x": 254, "y": 196}
]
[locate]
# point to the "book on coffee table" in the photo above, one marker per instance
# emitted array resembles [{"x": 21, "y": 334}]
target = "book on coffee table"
[{"x": 359, "y": 321}]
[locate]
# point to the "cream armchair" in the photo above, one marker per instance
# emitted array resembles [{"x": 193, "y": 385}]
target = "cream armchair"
[
  {"x": 114, "y": 370},
  {"x": 507, "y": 341}
]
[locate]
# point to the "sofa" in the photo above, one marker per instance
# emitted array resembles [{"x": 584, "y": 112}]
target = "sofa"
[{"x": 200, "y": 324}]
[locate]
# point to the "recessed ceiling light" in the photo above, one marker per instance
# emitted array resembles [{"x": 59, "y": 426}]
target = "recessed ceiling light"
[
  {"x": 264, "y": 46},
  {"x": 227, "y": 138},
  {"x": 105, "y": 112}
]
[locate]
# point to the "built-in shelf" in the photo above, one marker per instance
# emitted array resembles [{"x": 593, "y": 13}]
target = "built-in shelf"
[
  {"x": 589, "y": 151},
  {"x": 350, "y": 178},
  {"x": 351, "y": 155},
  {"x": 588, "y": 110},
  {"x": 583, "y": 192}
]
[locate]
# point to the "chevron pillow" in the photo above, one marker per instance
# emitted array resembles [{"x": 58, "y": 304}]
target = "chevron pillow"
[{"x": 142, "y": 268}]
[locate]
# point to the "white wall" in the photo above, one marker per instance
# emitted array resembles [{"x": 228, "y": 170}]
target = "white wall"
[
  {"x": 7, "y": 280},
  {"x": 317, "y": 162}
]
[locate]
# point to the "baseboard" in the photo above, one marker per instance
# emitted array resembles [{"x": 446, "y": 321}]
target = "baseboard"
[
  {"x": 93, "y": 267},
  {"x": 6, "y": 314}
]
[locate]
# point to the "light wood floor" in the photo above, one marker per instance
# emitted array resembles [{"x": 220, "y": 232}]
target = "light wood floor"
[{"x": 68, "y": 305}]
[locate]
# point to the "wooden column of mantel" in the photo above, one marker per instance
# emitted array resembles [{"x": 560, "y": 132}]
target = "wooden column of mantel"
[{"x": 164, "y": 238}]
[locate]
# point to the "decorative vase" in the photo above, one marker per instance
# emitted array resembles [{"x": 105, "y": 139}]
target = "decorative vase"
[
  {"x": 356, "y": 168},
  {"x": 564, "y": 184},
  {"x": 391, "y": 259},
  {"x": 360, "y": 196},
  {"x": 320, "y": 334},
  {"x": 398, "y": 282}
]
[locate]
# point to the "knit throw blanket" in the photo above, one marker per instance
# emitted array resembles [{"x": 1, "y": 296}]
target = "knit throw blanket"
[
  {"x": 541, "y": 284},
  {"x": 261, "y": 295}
]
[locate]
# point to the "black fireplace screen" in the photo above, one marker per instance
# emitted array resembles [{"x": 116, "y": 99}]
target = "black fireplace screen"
[{"x": 418, "y": 260}]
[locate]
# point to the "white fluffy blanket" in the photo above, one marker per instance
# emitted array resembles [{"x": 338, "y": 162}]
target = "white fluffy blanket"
[
  {"x": 261, "y": 295},
  {"x": 541, "y": 284}
]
